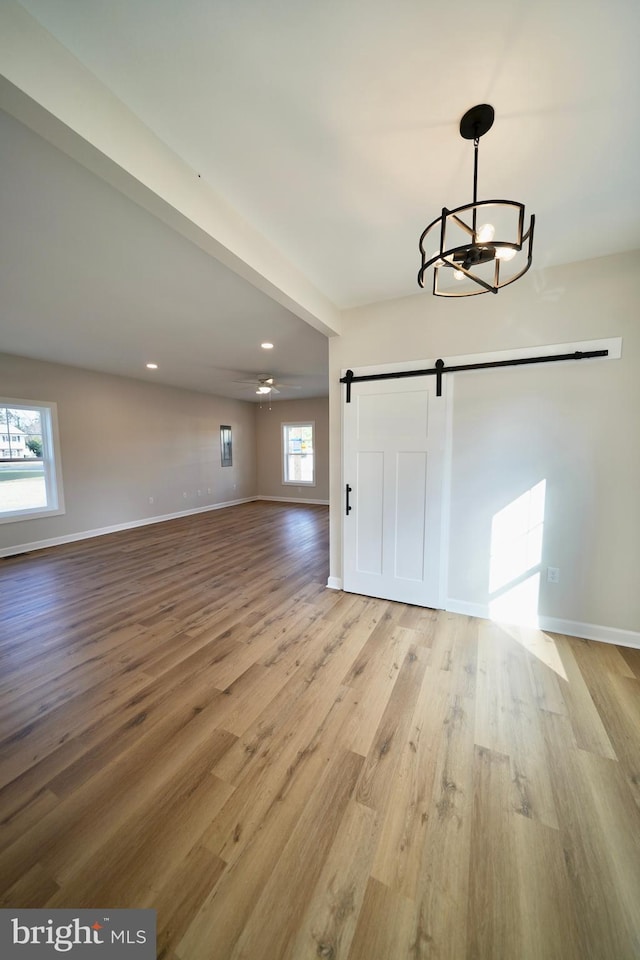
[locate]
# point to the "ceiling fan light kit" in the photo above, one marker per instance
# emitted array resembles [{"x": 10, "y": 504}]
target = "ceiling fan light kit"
[
  {"x": 266, "y": 386},
  {"x": 468, "y": 249}
]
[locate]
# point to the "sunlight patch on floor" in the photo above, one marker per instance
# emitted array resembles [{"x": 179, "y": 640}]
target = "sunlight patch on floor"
[{"x": 540, "y": 644}]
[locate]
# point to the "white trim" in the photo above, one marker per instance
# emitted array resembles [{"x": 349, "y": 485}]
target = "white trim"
[
  {"x": 324, "y": 503},
  {"x": 466, "y": 609},
  {"x": 297, "y": 423},
  {"x": 591, "y": 631},
  {"x": 51, "y": 461},
  {"x": 115, "y": 528},
  {"x": 571, "y": 628},
  {"x": 445, "y": 495},
  {"x": 334, "y": 583}
]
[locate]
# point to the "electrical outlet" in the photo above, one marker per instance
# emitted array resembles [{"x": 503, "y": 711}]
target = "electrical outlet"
[
  {"x": 150, "y": 499},
  {"x": 199, "y": 493},
  {"x": 553, "y": 574},
  {"x": 208, "y": 489},
  {"x": 184, "y": 494}
]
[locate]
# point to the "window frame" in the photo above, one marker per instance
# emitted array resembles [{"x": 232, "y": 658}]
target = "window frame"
[
  {"x": 51, "y": 460},
  {"x": 226, "y": 445},
  {"x": 284, "y": 437}
]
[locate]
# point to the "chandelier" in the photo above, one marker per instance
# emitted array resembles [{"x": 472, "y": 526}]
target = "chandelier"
[{"x": 475, "y": 256}]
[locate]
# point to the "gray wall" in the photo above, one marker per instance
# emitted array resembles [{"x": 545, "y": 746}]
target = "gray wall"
[
  {"x": 269, "y": 438},
  {"x": 124, "y": 441}
]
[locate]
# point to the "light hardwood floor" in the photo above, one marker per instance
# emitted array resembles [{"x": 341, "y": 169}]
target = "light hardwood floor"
[{"x": 191, "y": 721}]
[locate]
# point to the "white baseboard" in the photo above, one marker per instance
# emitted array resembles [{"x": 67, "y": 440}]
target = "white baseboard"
[
  {"x": 115, "y": 528},
  {"x": 592, "y": 631},
  {"x": 334, "y": 583},
  {"x": 571, "y": 628},
  {"x": 479, "y": 610},
  {"x": 322, "y": 503}
]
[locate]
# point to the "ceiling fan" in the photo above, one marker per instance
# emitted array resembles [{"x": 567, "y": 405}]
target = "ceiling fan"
[{"x": 267, "y": 386}]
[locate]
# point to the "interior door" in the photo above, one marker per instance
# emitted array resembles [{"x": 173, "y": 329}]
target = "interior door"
[{"x": 394, "y": 439}]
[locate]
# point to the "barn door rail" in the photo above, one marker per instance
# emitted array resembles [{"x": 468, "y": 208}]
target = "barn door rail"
[{"x": 440, "y": 369}]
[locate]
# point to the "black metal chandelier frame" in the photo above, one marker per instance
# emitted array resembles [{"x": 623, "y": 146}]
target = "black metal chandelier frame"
[{"x": 466, "y": 257}]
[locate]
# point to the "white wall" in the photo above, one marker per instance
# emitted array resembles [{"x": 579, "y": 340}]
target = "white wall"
[
  {"x": 577, "y": 426},
  {"x": 123, "y": 441},
  {"x": 269, "y": 447}
]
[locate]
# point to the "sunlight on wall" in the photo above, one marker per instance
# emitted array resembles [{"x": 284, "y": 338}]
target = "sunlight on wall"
[
  {"x": 519, "y": 604},
  {"x": 516, "y": 554}
]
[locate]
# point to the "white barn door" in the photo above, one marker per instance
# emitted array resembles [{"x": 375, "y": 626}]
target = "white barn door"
[{"x": 394, "y": 440}]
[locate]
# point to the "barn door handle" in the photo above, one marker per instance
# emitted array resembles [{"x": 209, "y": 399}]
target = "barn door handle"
[{"x": 348, "y": 504}]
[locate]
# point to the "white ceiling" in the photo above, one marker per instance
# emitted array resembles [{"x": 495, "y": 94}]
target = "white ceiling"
[
  {"x": 91, "y": 279},
  {"x": 332, "y": 128}
]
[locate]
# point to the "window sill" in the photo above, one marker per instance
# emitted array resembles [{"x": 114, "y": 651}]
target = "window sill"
[{"x": 30, "y": 514}]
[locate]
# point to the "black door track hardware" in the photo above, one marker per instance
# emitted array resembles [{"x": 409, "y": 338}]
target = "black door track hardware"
[{"x": 440, "y": 369}]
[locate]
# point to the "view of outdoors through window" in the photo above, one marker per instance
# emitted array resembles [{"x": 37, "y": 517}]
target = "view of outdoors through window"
[
  {"x": 22, "y": 482},
  {"x": 298, "y": 453}
]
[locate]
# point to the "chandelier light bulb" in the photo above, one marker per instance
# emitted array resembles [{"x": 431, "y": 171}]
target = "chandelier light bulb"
[
  {"x": 486, "y": 233},
  {"x": 478, "y": 256}
]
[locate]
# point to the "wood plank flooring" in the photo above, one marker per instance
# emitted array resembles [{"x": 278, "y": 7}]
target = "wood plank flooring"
[{"x": 191, "y": 721}]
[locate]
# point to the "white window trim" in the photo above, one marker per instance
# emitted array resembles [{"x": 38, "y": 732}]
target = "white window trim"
[
  {"x": 51, "y": 459},
  {"x": 283, "y": 456}
]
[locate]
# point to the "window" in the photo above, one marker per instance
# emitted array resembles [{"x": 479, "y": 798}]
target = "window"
[
  {"x": 226, "y": 452},
  {"x": 30, "y": 475},
  {"x": 299, "y": 458}
]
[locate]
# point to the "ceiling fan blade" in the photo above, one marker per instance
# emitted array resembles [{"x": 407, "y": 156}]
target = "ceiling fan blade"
[{"x": 263, "y": 381}]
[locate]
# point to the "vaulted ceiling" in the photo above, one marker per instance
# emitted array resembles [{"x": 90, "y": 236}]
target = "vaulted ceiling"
[{"x": 322, "y": 138}]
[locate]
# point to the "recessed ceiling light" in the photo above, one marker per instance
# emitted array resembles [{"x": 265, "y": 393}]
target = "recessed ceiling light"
[
  {"x": 267, "y": 346},
  {"x": 152, "y": 366}
]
